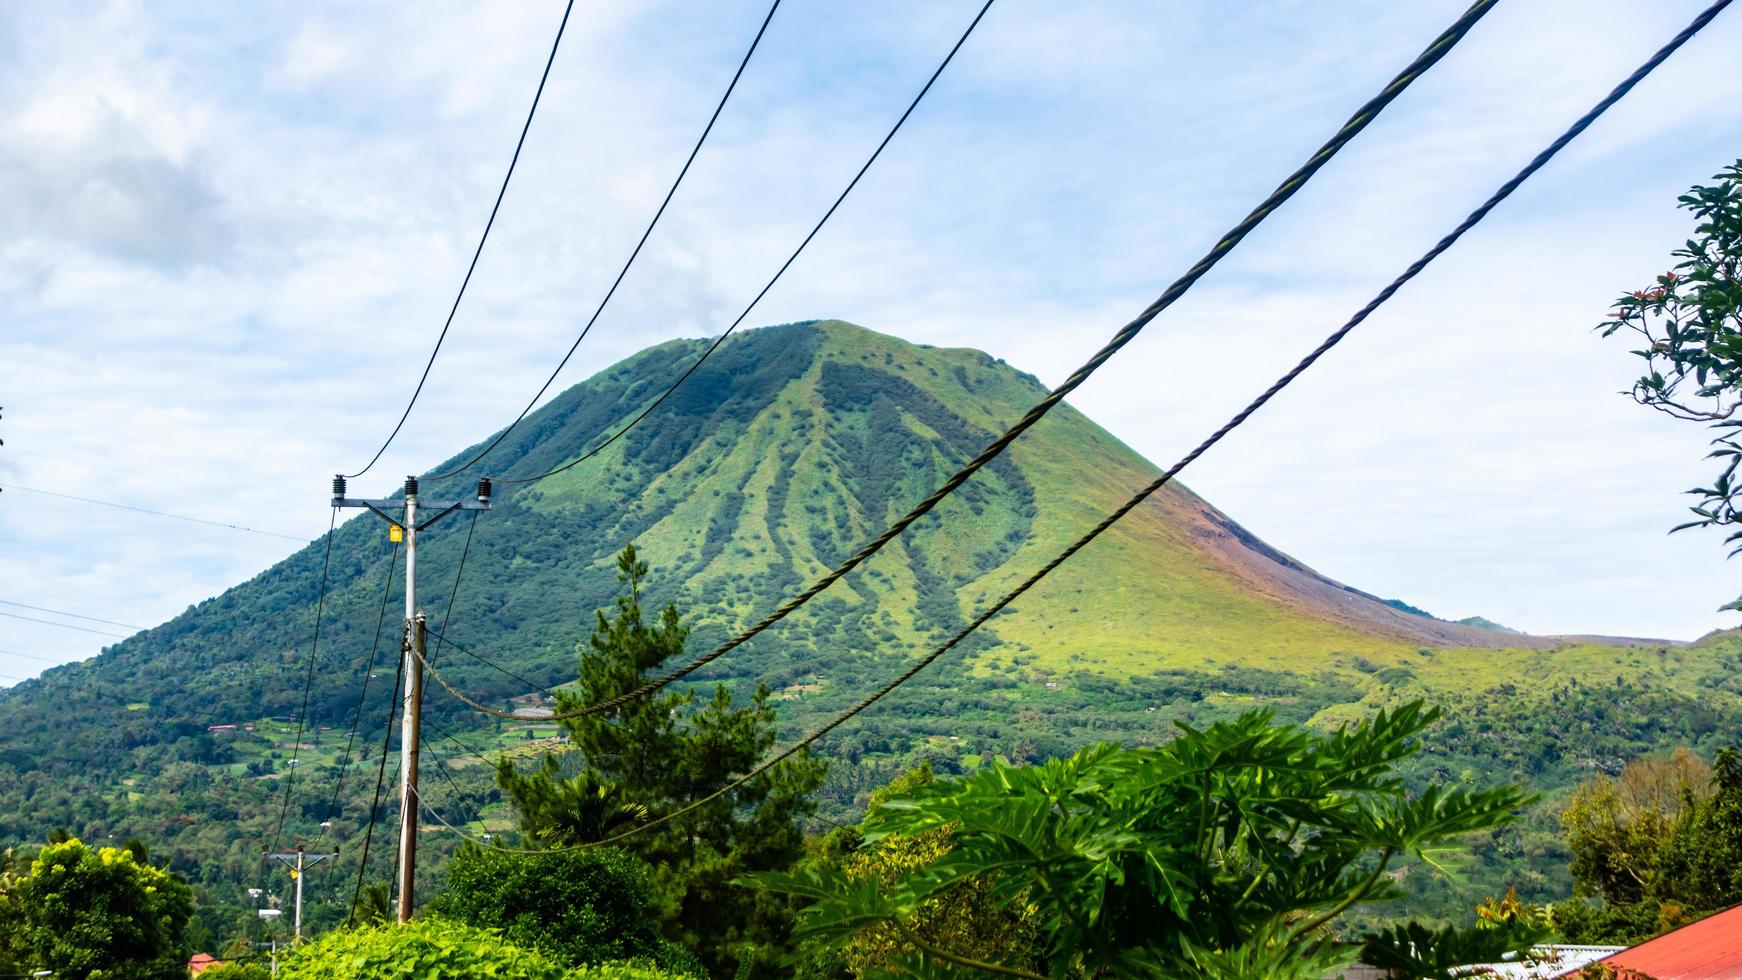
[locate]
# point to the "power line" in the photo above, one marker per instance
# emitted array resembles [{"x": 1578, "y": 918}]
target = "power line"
[
  {"x": 479, "y": 251},
  {"x": 363, "y": 696},
  {"x": 1287, "y": 189},
  {"x": 34, "y": 656},
  {"x": 1331, "y": 341},
  {"x": 502, "y": 670},
  {"x": 64, "y": 626},
  {"x": 459, "y": 793},
  {"x": 887, "y": 138},
  {"x": 58, "y": 612},
  {"x": 783, "y": 266},
  {"x": 431, "y": 812},
  {"x": 153, "y": 513},
  {"x": 454, "y": 591},
  {"x": 455, "y": 739},
  {"x": 477, "y": 705},
  {"x": 442, "y": 766},
  {"x": 380, "y": 778},
  {"x": 308, "y": 682},
  {"x": 648, "y": 232}
]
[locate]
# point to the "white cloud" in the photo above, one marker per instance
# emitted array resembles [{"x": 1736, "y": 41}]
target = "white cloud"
[
  {"x": 316, "y": 54},
  {"x": 227, "y": 238}
]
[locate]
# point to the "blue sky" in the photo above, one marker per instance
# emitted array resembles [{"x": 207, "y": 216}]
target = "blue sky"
[{"x": 228, "y": 235}]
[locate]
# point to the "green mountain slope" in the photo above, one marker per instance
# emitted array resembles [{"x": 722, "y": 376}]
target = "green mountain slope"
[{"x": 789, "y": 449}]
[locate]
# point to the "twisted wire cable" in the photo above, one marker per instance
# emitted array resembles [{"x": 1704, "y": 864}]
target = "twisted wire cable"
[
  {"x": 1368, "y": 112},
  {"x": 1506, "y": 189}
]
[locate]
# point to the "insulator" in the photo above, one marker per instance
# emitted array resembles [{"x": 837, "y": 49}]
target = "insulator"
[
  {"x": 411, "y": 486},
  {"x": 338, "y": 487},
  {"x": 484, "y": 490}
]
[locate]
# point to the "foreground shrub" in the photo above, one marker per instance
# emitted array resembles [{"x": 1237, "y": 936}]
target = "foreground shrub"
[
  {"x": 625, "y": 971},
  {"x": 431, "y": 947},
  {"x": 577, "y": 908},
  {"x": 1233, "y": 851},
  {"x": 102, "y": 912}
]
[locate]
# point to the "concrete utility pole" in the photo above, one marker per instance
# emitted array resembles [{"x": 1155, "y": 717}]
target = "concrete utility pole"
[
  {"x": 410, "y": 739},
  {"x": 412, "y": 651},
  {"x": 298, "y": 862}
]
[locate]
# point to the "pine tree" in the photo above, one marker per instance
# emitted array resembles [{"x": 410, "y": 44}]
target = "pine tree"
[{"x": 658, "y": 754}]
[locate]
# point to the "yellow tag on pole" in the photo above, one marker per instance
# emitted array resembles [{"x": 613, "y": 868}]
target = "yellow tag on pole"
[
  {"x": 395, "y": 533},
  {"x": 293, "y": 872}
]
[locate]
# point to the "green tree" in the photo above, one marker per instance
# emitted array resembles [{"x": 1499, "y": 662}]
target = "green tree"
[
  {"x": 1615, "y": 827},
  {"x": 13, "y": 864},
  {"x": 576, "y": 907},
  {"x": 1688, "y": 324},
  {"x": 1702, "y": 860},
  {"x": 89, "y": 914},
  {"x": 1233, "y": 851},
  {"x": 1661, "y": 846},
  {"x": 967, "y": 919},
  {"x": 655, "y": 755},
  {"x": 374, "y": 904}
]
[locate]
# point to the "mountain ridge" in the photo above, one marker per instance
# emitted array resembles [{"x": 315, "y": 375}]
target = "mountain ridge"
[{"x": 785, "y": 452}]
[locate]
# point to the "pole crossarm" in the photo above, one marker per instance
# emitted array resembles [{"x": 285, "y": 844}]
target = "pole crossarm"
[
  {"x": 299, "y": 861},
  {"x": 379, "y": 507},
  {"x": 289, "y": 857}
]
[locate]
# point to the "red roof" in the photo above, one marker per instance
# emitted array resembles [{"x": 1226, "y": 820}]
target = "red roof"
[{"x": 1710, "y": 949}]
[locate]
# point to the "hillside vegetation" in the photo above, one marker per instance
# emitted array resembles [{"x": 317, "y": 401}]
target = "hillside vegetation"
[{"x": 788, "y": 450}]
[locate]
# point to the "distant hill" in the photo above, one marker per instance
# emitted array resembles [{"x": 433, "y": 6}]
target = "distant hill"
[
  {"x": 1480, "y": 622},
  {"x": 790, "y": 448}
]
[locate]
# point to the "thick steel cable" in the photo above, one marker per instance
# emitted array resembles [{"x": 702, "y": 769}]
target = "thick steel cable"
[
  {"x": 363, "y": 695},
  {"x": 479, "y": 251},
  {"x": 307, "y": 685},
  {"x": 493, "y": 665},
  {"x": 645, "y": 234},
  {"x": 1505, "y": 191},
  {"x": 790, "y": 259},
  {"x": 1349, "y": 130},
  {"x": 380, "y": 780},
  {"x": 476, "y": 705}
]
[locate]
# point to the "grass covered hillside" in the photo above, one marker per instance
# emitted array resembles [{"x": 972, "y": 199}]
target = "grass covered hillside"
[{"x": 789, "y": 449}]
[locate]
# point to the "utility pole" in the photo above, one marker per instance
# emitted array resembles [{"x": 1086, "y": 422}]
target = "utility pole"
[
  {"x": 410, "y": 735},
  {"x": 412, "y": 652},
  {"x": 298, "y": 862}
]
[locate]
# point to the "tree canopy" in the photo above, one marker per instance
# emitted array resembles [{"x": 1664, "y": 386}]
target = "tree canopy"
[
  {"x": 1661, "y": 846},
  {"x": 653, "y": 756},
  {"x": 96, "y": 913},
  {"x": 1235, "y": 850},
  {"x": 576, "y": 907},
  {"x": 1688, "y": 323}
]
